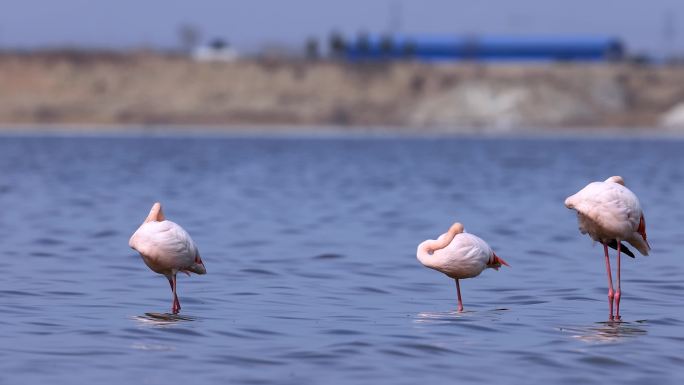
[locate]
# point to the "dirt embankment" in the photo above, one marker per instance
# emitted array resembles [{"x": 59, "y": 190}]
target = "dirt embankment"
[{"x": 85, "y": 88}]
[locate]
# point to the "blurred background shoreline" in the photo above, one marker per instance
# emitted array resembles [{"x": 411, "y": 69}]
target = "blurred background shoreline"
[
  {"x": 148, "y": 88},
  {"x": 327, "y": 67}
]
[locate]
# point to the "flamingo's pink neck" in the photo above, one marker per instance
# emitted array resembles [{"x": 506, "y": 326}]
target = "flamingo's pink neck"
[
  {"x": 428, "y": 247},
  {"x": 156, "y": 214},
  {"x": 616, "y": 179}
]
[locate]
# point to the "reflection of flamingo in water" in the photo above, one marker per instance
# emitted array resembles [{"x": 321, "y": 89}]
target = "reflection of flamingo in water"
[
  {"x": 459, "y": 255},
  {"x": 610, "y": 213},
  {"x": 607, "y": 331},
  {"x": 166, "y": 249}
]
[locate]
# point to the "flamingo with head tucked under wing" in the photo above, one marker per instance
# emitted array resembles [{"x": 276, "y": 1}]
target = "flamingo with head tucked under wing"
[
  {"x": 459, "y": 255},
  {"x": 167, "y": 249},
  {"x": 610, "y": 213}
]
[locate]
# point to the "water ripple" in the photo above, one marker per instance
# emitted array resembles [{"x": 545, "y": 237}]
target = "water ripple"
[{"x": 310, "y": 246}]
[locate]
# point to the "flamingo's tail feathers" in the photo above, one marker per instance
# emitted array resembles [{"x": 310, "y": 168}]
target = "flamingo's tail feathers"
[
  {"x": 623, "y": 248},
  {"x": 198, "y": 266},
  {"x": 642, "y": 231},
  {"x": 197, "y": 269},
  {"x": 495, "y": 262},
  {"x": 639, "y": 243}
]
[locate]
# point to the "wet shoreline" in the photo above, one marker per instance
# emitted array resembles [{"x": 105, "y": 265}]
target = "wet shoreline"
[{"x": 331, "y": 131}]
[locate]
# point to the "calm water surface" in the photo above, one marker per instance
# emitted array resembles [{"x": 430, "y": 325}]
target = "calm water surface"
[{"x": 310, "y": 250}]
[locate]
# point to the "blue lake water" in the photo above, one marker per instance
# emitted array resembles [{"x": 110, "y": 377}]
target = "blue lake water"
[{"x": 310, "y": 250}]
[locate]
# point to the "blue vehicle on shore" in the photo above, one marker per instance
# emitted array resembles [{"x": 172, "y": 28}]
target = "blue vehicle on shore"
[{"x": 445, "y": 48}]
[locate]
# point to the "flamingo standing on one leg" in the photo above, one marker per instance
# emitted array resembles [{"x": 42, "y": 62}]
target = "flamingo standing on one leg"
[
  {"x": 610, "y": 213},
  {"x": 459, "y": 255},
  {"x": 167, "y": 249}
]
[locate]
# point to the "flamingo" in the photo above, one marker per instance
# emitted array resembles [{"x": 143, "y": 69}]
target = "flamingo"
[
  {"x": 459, "y": 255},
  {"x": 167, "y": 249},
  {"x": 610, "y": 213}
]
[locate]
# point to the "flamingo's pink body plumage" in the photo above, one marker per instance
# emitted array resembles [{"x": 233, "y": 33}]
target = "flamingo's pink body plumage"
[
  {"x": 459, "y": 255},
  {"x": 166, "y": 249},
  {"x": 611, "y": 213}
]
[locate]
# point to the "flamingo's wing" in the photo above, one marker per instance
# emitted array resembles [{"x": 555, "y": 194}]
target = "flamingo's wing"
[
  {"x": 610, "y": 205},
  {"x": 167, "y": 242},
  {"x": 610, "y": 210},
  {"x": 467, "y": 256}
]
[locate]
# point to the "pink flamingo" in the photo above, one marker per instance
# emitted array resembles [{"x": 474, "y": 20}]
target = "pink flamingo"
[
  {"x": 167, "y": 249},
  {"x": 610, "y": 213},
  {"x": 459, "y": 255}
]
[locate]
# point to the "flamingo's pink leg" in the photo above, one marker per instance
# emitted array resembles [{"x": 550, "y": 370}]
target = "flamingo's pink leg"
[
  {"x": 173, "y": 303},
  {"x": 458, "y": 291},
  {"x": 610, "y": 282},
  {"x": 175, "y": 307},
  {"x": 618, "y": 293}
]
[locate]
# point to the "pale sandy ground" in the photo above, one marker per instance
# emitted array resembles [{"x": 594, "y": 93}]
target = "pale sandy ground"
[{"x": 82, "y": 92}]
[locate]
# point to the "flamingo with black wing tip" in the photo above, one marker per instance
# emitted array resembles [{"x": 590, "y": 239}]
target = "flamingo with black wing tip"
[
  {"x": 459, "y": 255},
  {"x": 167, "y": 249},
  {"x": 610, "y": 213}
]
